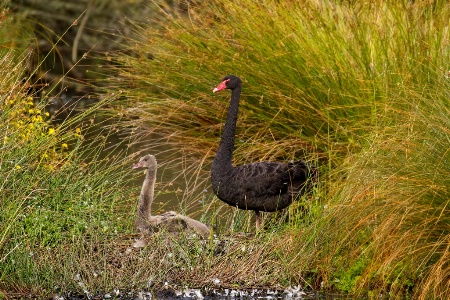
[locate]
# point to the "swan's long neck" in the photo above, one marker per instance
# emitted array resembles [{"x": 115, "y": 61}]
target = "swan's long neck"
[
  {"x": 224, "y": 155},
  {"x": 146, "y": 196}
]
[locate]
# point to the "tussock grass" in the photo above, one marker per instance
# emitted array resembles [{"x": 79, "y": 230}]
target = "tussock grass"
[
  {"x": 391, "y": 211},
  {"x": 314, "y": 73},
  {"x": 357, "y": 87},
  {"x": 318, "y": 75}
]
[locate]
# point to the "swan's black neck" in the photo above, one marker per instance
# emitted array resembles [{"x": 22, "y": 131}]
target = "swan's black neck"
[{"x": 223, "y": 160}]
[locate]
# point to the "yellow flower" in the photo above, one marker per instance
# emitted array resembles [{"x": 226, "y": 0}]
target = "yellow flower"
[
  {"x": 77, "y": 132},
  {"x": 65, "y": 146},
  {"x": 45, "y": 155},
  {"x": 51, "y": 131},
  {"x": 17, "y": 167},
  {"x": 37, "y": 119},
  {"x": 31, "y": 111},
  {"x": 47, "y": 114}
]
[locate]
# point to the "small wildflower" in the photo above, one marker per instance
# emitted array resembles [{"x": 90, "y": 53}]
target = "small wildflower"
[
  {"x": 31, "y": 111},
  {"x": 65, "y": 146},
  {"x": 77, "y": 132},
  {"x": 51, "y": 131},
  {"x": 47, "y": 114},
  {"x": 6, "y": 139},
  {"x": 17, "y": 167},
  {"x": 37, "y": 119}
]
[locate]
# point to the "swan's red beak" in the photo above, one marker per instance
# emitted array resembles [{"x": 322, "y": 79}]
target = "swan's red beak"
[{"x": 221, "y": 86}]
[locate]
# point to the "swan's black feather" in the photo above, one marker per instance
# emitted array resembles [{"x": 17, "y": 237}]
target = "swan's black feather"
[{"x": 262, "y": 186}]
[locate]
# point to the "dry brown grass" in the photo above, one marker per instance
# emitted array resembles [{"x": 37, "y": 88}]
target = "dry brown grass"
[{"x": 238, "y": 261}]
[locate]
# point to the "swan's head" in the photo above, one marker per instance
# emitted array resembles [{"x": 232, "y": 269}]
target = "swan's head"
[
  {"x": 229, "y": 82},
  {"x": 148, "y": 161}
]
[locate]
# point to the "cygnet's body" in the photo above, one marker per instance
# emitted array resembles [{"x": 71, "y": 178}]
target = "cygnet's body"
[{"x": 170, "y": 221}]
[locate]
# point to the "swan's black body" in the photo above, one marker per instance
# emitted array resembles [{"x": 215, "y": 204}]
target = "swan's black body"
[{"x": 259, "y": 186}]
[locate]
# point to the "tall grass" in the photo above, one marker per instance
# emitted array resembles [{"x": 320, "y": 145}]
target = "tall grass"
[
  {"x": 314, "y": 73},
  {"x": 358, "y": 87},
  {"x": 60, "y": 182},
  {"x": 391, "y": 212}
]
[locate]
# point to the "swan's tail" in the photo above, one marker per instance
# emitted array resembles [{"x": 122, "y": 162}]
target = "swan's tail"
[{"x": 304, "y": 176}]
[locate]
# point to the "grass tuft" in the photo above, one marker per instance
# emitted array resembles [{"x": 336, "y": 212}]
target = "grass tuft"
[{"x": 357, "y": 87}]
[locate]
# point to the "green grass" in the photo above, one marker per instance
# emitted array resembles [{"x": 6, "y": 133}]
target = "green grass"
[
  {"x": 358, "y": 88},
  {"x": 312, "y": 73},
  {"x": 66, "y": 211},
  {"x": 393, "y": 205},
  {"x": 59, "y": 182}
]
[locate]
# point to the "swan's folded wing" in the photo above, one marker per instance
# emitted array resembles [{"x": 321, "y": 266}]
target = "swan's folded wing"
[{"x": 262, "y": 179}]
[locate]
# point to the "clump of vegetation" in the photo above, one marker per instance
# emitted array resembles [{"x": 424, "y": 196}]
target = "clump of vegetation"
[
  {"x": 349, "y": 85},
  {"x": 393, "y": 206},
  {"x": 57, "y": 184},
  {"x": 358, "y": 88}
]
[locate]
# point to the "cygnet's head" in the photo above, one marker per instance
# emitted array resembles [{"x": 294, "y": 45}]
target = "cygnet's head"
[{"x": 148, "y": 161}]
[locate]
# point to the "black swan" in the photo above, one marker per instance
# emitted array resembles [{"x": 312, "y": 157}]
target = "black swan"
[
  {"x": 258, "y": 186},
  {"x": 170, "y": 221}
]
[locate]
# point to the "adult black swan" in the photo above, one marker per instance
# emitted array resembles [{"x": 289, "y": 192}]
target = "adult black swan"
[{"x": 258, "y": 186}]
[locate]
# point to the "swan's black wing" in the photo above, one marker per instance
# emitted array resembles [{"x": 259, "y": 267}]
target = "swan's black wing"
[
  {"x": 261, "y": 178},
  {"x": 265, "y": 186}
]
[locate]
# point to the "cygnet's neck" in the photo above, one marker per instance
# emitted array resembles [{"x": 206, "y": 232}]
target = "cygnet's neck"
[{"x": 146, "y": 196}]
